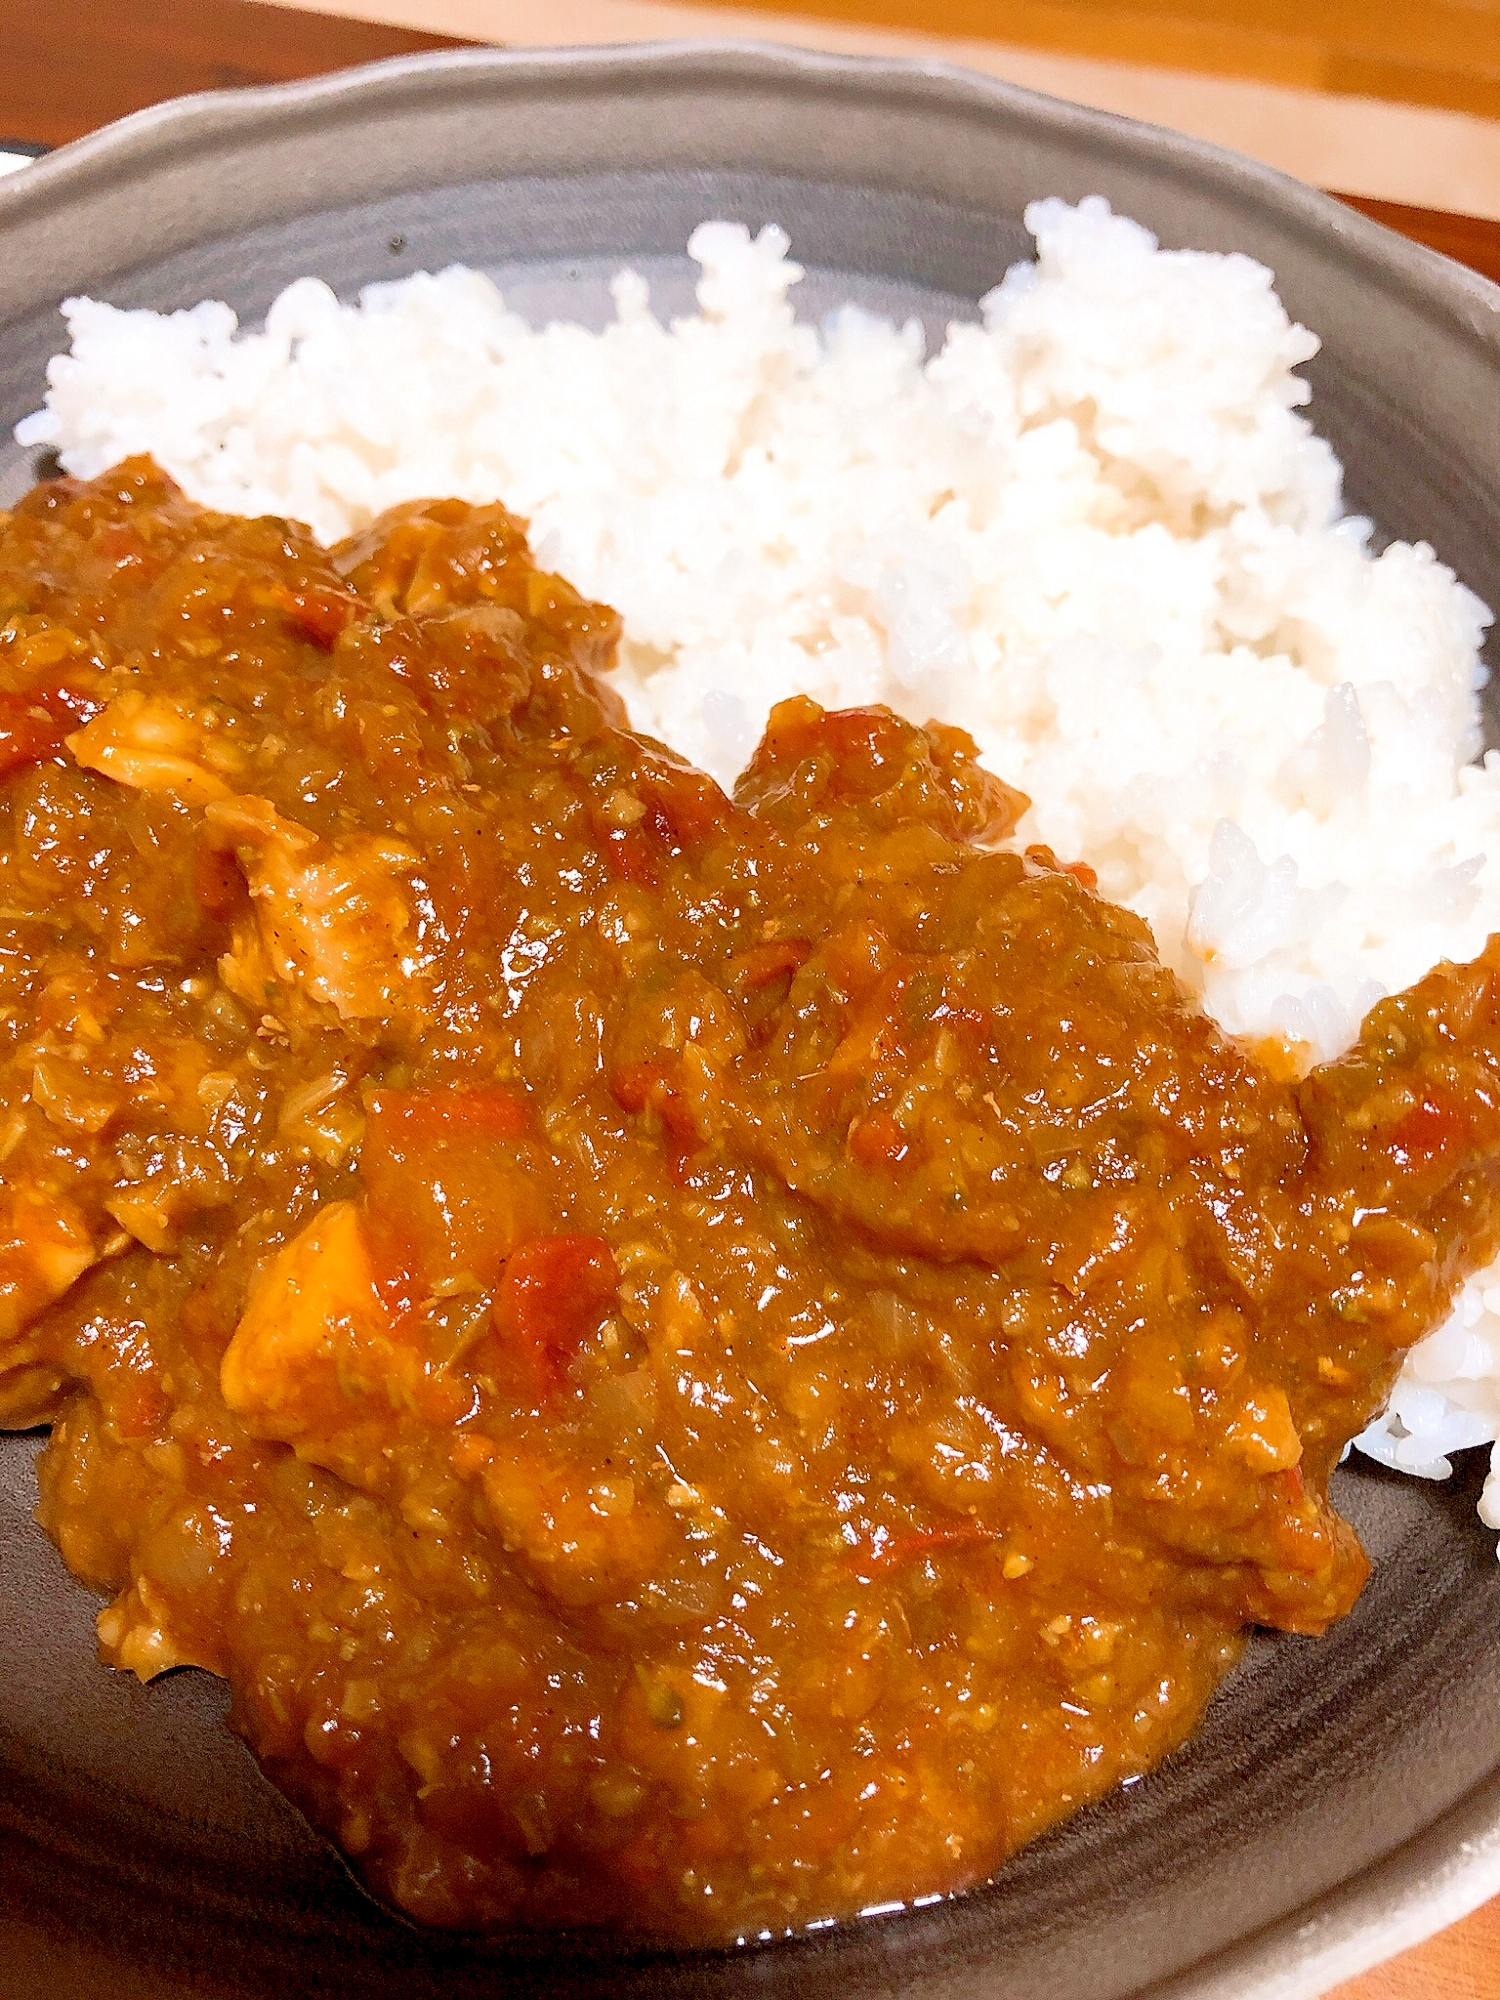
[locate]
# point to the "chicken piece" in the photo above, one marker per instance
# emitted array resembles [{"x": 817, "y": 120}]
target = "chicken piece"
[
  {"x": 137, "y": 1635},
  {"x": 321, "y": 1360},
  {"x": 329, "y": 1359},
  {"x": 335, "y": 923},
  {"x": 45, "y": 1247},
  {"x": 583, "y": 1540},
  {"x": 154, "y": 743},
  {"x": 424, "y": 557},
  {"x": 312, "y": 1324},
  {"x": 333, "y": 918},
  {"x": 32, "y": 1386}
]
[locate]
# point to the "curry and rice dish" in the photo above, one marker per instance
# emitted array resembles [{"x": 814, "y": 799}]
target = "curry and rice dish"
[{"x": 697, "y": 1362}]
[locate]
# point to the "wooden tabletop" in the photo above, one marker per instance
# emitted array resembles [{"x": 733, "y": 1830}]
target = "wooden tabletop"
[{"x": 72, "y": 65}]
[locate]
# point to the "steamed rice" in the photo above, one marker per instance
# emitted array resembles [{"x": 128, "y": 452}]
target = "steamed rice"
[{"x": 1094, "y": 530}]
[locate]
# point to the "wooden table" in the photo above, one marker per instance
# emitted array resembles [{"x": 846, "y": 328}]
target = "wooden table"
[{"x": 72, "y": 65}]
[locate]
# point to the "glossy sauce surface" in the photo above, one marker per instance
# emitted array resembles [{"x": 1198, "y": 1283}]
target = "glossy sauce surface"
[{"x": 697, "y": 1364}]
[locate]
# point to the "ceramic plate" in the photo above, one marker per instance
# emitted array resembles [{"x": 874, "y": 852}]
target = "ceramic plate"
[{"x": 1343, "y": 1797}]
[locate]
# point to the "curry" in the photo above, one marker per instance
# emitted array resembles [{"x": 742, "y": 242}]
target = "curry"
[{"x": 697, "y": 1363}]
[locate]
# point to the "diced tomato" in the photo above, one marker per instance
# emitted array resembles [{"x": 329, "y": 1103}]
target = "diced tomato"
[
  {"x": 675, "y": 809},
  {"x": 322, "y": 613},
  {"x": 682, "y": 806},
  {"x": 28, "y": 734},
  {"x": 1290, "y": 1483},
  {"x": 873, "y": 1042},
  {"x": 708, "y": 1838},
  {"x": 633, "y": 1085},
  {"x": 862, "y": 744},
  {"x": 120, "y": 544},
  {"x": 878, "y": 1141},
  {"x": 217, "y": 882},
  {"x": 453, "y": 1182},
  {"x": 555, "y": 1292},
  {"x": 630, "y": 855},
  {"x": 636, "y": 852},
  {"x": 1433, "y": 1127},
  {"x": 138, "y": 1408},
  {"x": 33, "y": 725},
  {"x": 1043, "y": 857},
  {"x": 1301, "y": 1533},
  {"x": 651, "y": 1086},
  {"x": 905, "y": 1548},
  {"x": 762, "y": 963},
  {"x": 488, "y": 1110},
  {"x": 639, "y": 1864}
]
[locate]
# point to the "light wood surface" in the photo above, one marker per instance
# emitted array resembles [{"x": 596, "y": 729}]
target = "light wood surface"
[
  {"x": 69, "y": 66},
  {"x": 1406, "y": 152},
  {"x": 1444, "y": 52},
  {"x": 1461, "y": 1963},
  {"x": 1270, "y": 77}
]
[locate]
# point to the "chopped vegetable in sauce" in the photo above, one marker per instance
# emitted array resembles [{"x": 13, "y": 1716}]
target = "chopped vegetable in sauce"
[{"x": 697, "y": 1364}]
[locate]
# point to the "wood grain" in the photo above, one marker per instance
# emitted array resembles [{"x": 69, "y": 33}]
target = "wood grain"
[
  {"x": 1391, "y": 151},
  {"x": 69, "y": 68},
  {"x": 1440, "y": 52},
  {"x": 1467, "y": 239},
  {"x": 1460, "y": 1963}
]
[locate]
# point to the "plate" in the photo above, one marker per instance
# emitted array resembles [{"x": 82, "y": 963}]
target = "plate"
[{"x": 1343, "y": 1797}]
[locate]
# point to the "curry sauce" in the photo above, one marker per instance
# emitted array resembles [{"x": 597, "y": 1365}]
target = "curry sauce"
[{"x": 696, "y": 1363}]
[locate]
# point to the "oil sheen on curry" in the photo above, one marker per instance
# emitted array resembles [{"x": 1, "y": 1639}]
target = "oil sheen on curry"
[{"x": 696, "y": 1363}]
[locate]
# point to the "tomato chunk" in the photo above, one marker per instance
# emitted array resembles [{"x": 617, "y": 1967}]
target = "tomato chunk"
[
  {"x": 917, "y": 1542},
  {"x": 27, "y": 734},
  {"x": 635, "y": 1085},
  {"x": 34, "y": 725},
  {"x": 321, "y": 613},
  {"x": 555, "y": 1293},
  {"x": 762, "y": 963},
  {"x": 433, "y": 1116},
  {"x": 454, "y": 1180},
  {"x": 878, "y": 1141},
  {"x": 1433, "y": 1127}
]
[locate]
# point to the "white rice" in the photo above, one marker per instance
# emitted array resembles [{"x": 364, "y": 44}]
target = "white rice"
[{"x": 1094, "y": 530}]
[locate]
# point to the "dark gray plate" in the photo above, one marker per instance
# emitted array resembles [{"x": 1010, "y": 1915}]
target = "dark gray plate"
[{"x": 1344, "y": 1796}]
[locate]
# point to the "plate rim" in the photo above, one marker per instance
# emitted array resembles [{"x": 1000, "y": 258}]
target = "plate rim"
[
  {"x": 96, "y": 158},
  {"x": 1452, "y": 1865}
]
